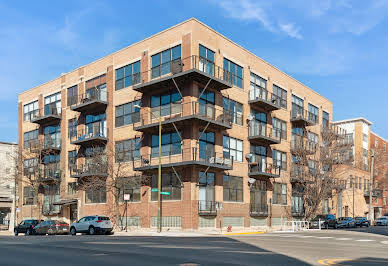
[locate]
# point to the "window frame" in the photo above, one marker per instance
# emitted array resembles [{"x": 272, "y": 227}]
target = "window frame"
[
  {"x": 30, "y": 114},
  {"x": 226, "y": 144},
  {"x": 125, "y": 79},
  {"x": 134, "y": 113},
  {"x": 233, "y": 188},
  {"x": 234, "y": 69}
]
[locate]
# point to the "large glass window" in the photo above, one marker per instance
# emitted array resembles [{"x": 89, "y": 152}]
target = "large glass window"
[
  {"x": 170, "y": 183},
  {"x": 282, "y": 94},
  {"x": 52, "y": 136},
  {"x": 313, "y": 113},
  {"x": 236, "y": 73},
  {"x": 72, "y": 128},
  {"x": 30, "y": 138},
  {"x": 259, "y": 156},
  {"x": 279, "y": 159},
  {"x": 279, "y": 128},
  {"x": 164, "y": 62},
  {"x": 72, "y": 159},
  {"x": 258, "y": 195},
  {"x": 206, "y": 60},
  {"x": 30, "y": 111},
  {"x": 233, "y": 188},
  {"x": 279, "y": 194},
  {"x": 171, "y": 144},
  {"x": 52, "y": 104},
  {"x": 206, "y": 144},
  {"x": 72, "y": 95},
  {"x": 234, "y": 109},
  {"x": 126, "y": 187},
  {"x": 29, "y": 197},
  {"x": 127, "y": 150},
  {"x": 127, "y": 114},
  {"x": 96, "y": 125},
  {"x": 297, "y": 106},
  {"x": 325, "y": 119},
  {"x": 51, "y": 195},
  {"x": 258, "y": 126},
  {"x": 258, "y": 88},
  {"x": 30, "y": 166},
  {"x": 232, "y": 148},
  {"x": 128, "y": 75},
  {"x": 166, "y": 104},
  {"x": 96, "y": 89},
  {"x": 95, "y": 195}
]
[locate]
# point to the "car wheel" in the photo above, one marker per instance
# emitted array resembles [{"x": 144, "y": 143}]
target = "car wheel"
[
  {"x": 73, "y": 232},
  {"x": 91, "y": 231},
  {"x": 15, "y": 232},
  {"x": 28, "y": 232}
]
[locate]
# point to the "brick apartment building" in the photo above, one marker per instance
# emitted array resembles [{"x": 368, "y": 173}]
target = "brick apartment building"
[{"x": 229, "y": 122}]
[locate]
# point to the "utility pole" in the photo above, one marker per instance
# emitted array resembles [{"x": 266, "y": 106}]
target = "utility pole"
[
  {"x": 353, "y": 199},
  {"x": 371, "y": 184}
]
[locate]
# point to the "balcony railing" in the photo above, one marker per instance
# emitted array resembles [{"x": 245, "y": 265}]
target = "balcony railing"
[
  {"x": 264, "y": 169},
  {"x": 50, "y": 143},
  {"x": 207, "y": 207},
  {"x": 195, "y": 67},
  {"x": 92, "y": 135},
  {"x": 302, "y": 145},
  {"x": 94, "y": 99},
  {"x": 89, "y": 170},
  {"x": 297, "y": 211},
  {"x": 181, "y": 112},
  {"x": 47, "y": 115},
  {"x": 263, "y": 133},
  {"x": 183, "y": 157},
  {"x": 47, "y": 145},
  {"x": 258, "y": 209},
  {"x": 265, "y": 99},
  {"x": 51, "y": 173},
  {"x": 302, "y": 116}
]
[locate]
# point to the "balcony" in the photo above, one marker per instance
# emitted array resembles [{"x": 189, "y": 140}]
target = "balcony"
[
  {"x": 92, "y": 101},
  {"x": 263, "y": 169},
  {"x": 94, "y": 135},
  {"x": 301, "y": 174},
  {"x": 193, "y": 68},
  {"x": 263, "y": 134},
  {"x": 302, "y": 117},
  {"x": 89, "y": 170},
  {"x": 297, "y": 211},
  {"x": 47, "y": 146},
  {"x": 50, "y": 174},
  {"x": 182, "y": 158},
  {"x": 184, "y": 114},
  {"x": 261, "y": 98},
  {"x": 258, "y": 210},
  {"x": 300, "y": 145},
  {"x": 207, "y": 208},
  {"x": 47, "y": 115}
]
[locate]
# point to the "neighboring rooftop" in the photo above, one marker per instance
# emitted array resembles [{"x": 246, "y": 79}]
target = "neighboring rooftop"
[
  {"x": 353, "y": 120},
  {"x": 379, "y": 136}
]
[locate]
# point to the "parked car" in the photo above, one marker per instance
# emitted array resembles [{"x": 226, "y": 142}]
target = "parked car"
[
  {"x": 92, "y": 225},
  {"x": 346, "y": 222},
  {"x": 362, "y": 221},
  {"x": 26, "y": 227},
  {"x": 322, "y": 219},
  {"x": 51, "y": 227},
  {"x": 331, "y": 223},
  {"x": 381, "y": 221}
]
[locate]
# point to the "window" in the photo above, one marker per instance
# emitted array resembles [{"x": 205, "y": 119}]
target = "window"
[
  {"x": 279, "y": 128},
  {"x": 164, "y": 62},
  {"x": 30, "y": 138},
  {"x": 72, "y": 128},
  {"x": 312, "y": 165},
  {"x": 280, "y": 159},
  {"x": 297, "y": 106},
  {"x": 127, "y": 113},
  {"x": 30, "y": 111},
  {"x": 282, "y": 94},
  {"x": 126, "y": 187},
  {"x": 29, "y": 197},
  {"x": 166, "y": 104},
  {"x": 96, "y": 89},
  {"x": 206, "y": 60},
  {"x": 72, "y": 95},
  {"x": 279, "y": 194},
  {"x": 384, "y": 201},
  {"x": 171, "y": 144},
  {"x": 351, "y": 182},
  {"x": 170, "y": 183},
  {"x": 258, "y": 88},
  {"x": 259, "y": 157},
  {"x": 232, "y": 148},
  {"x": 72, "y": 159},
  {"x": 236, "y": 73},
  {"x": 51, "y": 195},
  {"x": 365, "y": 137},
  {"x": 127, "y": 150},
  {"x": 52, "y": 104},
  {"x": 30, "y": 166},
  {"x": 52, "y": 136},
  {"x": 233, "y": 188},
  {"x": 325, "y": 119},
  {"x": 376, "y": 143},
  {"x": 313, "y": 113},
  {"x": 96, "y": 125},
  {"x": 206, "y": 145},
  {"x": 128, "y": 75},
  {"x": 95, "y": 195},
  {"x": 71, "y": 188},
  {"x": 312, "y": 141},
  {"x": 234, "y": 109},
  {"x": 385, "y": 147}
]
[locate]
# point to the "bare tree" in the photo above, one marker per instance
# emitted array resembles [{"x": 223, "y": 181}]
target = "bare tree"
[{"x": 315, "y": 169}]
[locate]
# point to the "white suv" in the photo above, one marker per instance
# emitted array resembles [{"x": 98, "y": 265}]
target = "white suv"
[{"x": 92, "y": 225}]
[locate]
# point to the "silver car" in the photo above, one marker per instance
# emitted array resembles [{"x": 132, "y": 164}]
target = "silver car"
[
  {"x": 381, "y": 221},
  {"x": 92, "y": 225}
]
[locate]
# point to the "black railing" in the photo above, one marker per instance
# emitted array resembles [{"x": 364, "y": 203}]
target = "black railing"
[
  {"x": 301, "y": 144},
  {"x": 92, "y": 131},
  {"x": 298, "y": 113},
  {"x": 47, "y": 111},
  {"x": 259, "y": 129},
  {"x": 257, "y": 209},
  {"x": 259, "y": 93},
  {"x": 89, "y": 169},
  {"x": 207, "y": 207},
  {"x": 93, "y": 94},
  {"x": 264, "y": 168}
]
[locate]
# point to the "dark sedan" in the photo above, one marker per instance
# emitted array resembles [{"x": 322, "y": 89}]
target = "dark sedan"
[
  {"x": 346, "y": 222},
  {"x": 52, "y": 227},
  {"x": 26, "y": 227},
  {"x": 362, "y": 221}
]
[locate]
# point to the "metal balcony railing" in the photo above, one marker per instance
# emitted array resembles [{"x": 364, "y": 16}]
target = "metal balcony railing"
[
  {"x": 180, "y": 111},
  {"x": 298, "y": 114},
  {"x": 51, "y": 143},
  {"x": 89, "y": 169},
  {"x": 51, "y": 173},
  {"x": 302, "y": 145},
  {"x": 93, "y": 132},
  {"x": 93, "y": 94},
  {"x": 207, "y": 207},
  {"x": 257, "y": 209},
  {"x": 48, "y": 114},
  {"x": 265, "y": 98},
  {"x": 265, "y": 132},
  {"x": 263, "y": 168},
  {"x": 178, "y": 156}
]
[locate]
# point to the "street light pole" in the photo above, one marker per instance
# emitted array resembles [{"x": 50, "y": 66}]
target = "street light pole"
[{"x": 371, "y": 185}]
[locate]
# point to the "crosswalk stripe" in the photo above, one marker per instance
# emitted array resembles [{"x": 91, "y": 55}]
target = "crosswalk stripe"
[
  {"x": 365, "y": 240},
  {"x": 343, "y": 238}
]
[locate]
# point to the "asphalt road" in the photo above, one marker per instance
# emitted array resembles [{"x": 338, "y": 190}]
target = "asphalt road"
[
  {"x": 314, "y": 247},
  {"x": 380, "y": 230}
]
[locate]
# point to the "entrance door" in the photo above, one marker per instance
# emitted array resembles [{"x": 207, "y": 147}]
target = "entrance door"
[{"x": 206, "y": 192}]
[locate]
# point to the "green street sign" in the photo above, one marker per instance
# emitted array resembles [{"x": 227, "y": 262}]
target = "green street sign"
[
  {"x": 154, "y": 190},
  {"x": 164, "y": 193}
]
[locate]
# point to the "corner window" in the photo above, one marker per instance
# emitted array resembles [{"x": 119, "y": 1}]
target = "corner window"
[
  {"x": 171, "y": 144},
  {"x": 166, "y": 104},
  {"x": 52, "y": 104},
  {"x": 235, "y": 73},
  {"x": 128, "y": 75},
  {"x": 325, "y": 119},
  {"x": 233, "y": 188},
  {"x": 164, "y": 62},
  {"x": 313, "y": 113},
  {"x": 206, "y": 60}
]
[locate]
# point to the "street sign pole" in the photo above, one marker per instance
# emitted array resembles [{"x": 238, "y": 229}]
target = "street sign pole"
[{"x": 127, "y": 197}]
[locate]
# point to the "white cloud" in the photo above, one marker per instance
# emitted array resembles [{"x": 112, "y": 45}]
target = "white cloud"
[{"x": 291, "y": 30}]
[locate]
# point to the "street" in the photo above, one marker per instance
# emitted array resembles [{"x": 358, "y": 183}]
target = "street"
[{"x": 303, "y": 248}]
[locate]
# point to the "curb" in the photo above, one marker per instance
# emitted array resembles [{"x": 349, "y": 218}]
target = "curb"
[{"x": 244, "y": 233}]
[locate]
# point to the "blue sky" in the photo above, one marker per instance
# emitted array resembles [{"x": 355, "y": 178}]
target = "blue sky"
[{"x": 338, "y": 48}]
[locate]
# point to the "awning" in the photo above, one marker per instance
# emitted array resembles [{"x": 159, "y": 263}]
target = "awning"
[{"x": 65, "y": 202}]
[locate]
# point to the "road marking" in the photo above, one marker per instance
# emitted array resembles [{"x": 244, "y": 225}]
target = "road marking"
[
  {"x": 365, "y": 240},
  {"x": 245, "y": 233},
  {"x": 343, "y": 238},
  {"x": 324, "y": 237},
  {"x": 306, "y": 236},
  {"x": 331, "y": 261},
  {"x": 384, "y": 242}
]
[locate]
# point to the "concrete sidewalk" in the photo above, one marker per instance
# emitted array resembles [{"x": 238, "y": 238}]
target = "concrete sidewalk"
[{"x": 184, "y": 233}]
